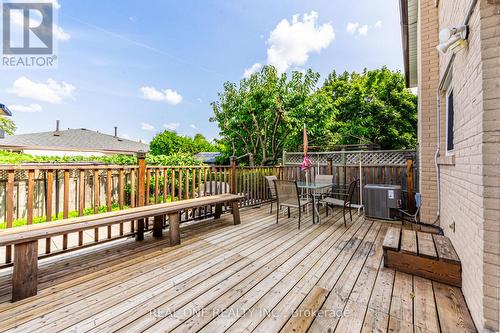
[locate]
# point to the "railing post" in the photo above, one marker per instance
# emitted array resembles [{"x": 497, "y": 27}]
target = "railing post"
[
  {"x": 141, "y": 191},
  {"x": 234, "y": 179}
]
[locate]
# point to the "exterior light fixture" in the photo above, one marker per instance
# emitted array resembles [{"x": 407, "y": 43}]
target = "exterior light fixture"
[{"x": 448, "y": 37}]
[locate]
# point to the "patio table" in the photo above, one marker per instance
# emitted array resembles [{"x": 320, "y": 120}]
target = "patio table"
[{"x": 313, "y": 187}]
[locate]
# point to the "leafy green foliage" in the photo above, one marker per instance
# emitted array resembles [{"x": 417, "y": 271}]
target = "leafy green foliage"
[
  {"x": 7, "y": 125},
  {"x": 177, "y": 159},
  {"x": 262, "y": 112},
  {"x": 169, "y": 142},
  {"x": 265, "y": 113},
  {"x": 372, "y": 107},
  {"x": 72, "y": 214}
]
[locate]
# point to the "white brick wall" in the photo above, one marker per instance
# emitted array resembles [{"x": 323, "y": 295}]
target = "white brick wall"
[{"x": 470, "y": 188}]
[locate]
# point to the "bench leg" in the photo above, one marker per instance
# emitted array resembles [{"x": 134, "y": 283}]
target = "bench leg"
[
  {"x": 218, "y": 211},
  {"x": 139, "y": 235},
  {"x": 174, "y": 232},
  {"x": 158, "y": 226},
  {"x": 236, "y": 212},
  {"x": 25, "y": 274}
]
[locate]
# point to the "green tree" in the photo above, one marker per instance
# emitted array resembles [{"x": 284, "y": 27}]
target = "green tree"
[
  {"x": 265, "y": 113},
  {"x": 169, "y": 142},
  {"x": 7, "y": 125},
  {"x": 166, "y": 143},
  {"x": 262, "y": 112},
  {"x": 372, "y": 107}
]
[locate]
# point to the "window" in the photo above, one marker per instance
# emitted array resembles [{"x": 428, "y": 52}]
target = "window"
[{"x": 449, "y": 121}]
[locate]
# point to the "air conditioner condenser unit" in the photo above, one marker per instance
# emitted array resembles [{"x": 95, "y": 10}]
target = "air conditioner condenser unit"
[{"x": 382, "y": 201}]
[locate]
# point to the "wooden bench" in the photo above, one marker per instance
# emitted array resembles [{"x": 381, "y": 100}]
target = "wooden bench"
[
  {"x": 25, "y": 238},
  {"x": 423, "y": 254}
]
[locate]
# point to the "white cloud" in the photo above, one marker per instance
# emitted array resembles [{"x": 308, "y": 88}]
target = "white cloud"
[
  {"x": 171, "y": 126},
  {"x": 352, "y": 27},
  {"x": 357, "y": 29},
  {"x": 26, "y": 108},
  {"x": 147, "y": 127},
  {"x": 55, "y": 3},
  {"x": 51, "y": 92},
  {"x": 363, "y": 30},
  {"x": 172, "y": 97},
  {"x": 249, "y": 71},
  {"x": 60, "y": 34},
  {"x": 35, "y": 19},
  {"x": 291, "y": 42},
  {"x": 193, "y": 126}
]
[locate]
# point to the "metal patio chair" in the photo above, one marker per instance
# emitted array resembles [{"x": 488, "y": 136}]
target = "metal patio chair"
[
  {"x": 272, "y": 189},
  {"x": 287, "y": 195},
  {"x": 345, "y": 203}
]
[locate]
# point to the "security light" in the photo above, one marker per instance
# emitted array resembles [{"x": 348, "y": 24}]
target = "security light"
[{"x": 449, "y": 36}]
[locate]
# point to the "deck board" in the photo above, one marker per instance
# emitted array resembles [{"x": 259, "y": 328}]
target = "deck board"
[{"x": 255, "y": 277}]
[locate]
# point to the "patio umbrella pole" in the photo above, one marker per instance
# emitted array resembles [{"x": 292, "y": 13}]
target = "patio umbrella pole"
[{"x": 361, "y": 207}]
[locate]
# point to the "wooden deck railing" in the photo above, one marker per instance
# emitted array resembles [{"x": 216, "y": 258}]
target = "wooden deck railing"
[{"x": 37, "y": 193}]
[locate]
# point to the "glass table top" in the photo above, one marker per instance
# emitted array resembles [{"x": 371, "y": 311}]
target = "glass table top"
[{"x": 312, "y": 185}]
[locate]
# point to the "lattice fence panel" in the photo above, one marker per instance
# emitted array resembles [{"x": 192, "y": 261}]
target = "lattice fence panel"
[{"x": 388, "y": 157}]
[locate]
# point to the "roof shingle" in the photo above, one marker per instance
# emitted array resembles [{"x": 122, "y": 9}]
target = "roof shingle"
[{"x": 79, "y": 139}]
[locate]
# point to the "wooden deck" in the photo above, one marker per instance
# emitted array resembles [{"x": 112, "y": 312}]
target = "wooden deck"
[{"x": 258, "y": 276}]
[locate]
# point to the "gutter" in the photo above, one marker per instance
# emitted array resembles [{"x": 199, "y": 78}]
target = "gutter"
[{"x": 403, "y": 10}]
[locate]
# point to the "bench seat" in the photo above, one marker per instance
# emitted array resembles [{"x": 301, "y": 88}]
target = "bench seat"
[{"x": 25, "y": 238}]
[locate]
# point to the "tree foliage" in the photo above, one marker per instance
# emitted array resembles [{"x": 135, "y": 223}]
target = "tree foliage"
[
  {"x": 177, "y": 159},
  {"x": 371, "y": 107},
  {"x": 169, "y": 142},
  {"x": 263, "y": 111},
  {"x": 265, "y": 114},
  {"x": 7, "y": 125}
]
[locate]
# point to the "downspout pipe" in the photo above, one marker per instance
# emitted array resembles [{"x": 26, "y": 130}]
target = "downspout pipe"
[{"x": 437, "y": 153}]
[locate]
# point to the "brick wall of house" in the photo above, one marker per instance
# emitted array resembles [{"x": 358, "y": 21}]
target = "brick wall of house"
[
  {"x": 469, "y": 175},
  {"x": 490, "y": 58},
  {"x": 428, "y": 77}
]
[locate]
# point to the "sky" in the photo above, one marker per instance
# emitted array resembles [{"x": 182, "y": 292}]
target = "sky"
[{"x": 147, "y": 66}]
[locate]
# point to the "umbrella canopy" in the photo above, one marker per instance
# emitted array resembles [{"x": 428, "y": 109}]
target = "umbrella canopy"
[{"x": 306, "y": 164}]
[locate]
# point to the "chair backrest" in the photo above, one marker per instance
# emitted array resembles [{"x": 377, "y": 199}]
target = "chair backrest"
[
  {"x": 270, "y": 182},
  {"x": 287, "y": 191},
  {"x": 326, "y": 180},
  {"x": 350, "y": 191}
]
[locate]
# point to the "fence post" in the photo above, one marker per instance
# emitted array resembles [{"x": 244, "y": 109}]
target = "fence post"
[
  {"x": 344, "y": 168},
  {"x": 234, "y": 179},
  {"x": 141, "y": 191},
  {"x": 409, "y": 184},
  {"x": 329, "y": 162}
]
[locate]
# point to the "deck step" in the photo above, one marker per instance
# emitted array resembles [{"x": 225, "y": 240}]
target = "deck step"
[{"x": 423, "y": 254}]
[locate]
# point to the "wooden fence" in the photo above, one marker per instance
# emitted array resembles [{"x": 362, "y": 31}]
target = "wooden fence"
[{"x": 32, "y": 194}]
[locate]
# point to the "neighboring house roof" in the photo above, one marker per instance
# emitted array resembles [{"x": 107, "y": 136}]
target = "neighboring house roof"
[
  {"x": 79, "y": 139},
  {"x": 409, "y": 18},
  {"x": 4, "y": 111},
  {"x": 207, "y": 157}
]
